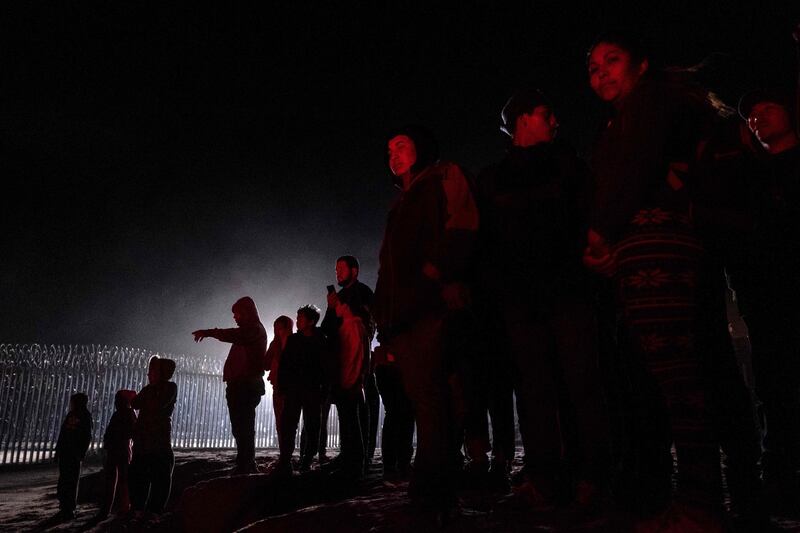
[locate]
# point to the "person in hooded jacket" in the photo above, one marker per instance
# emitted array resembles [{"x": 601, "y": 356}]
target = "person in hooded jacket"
[
  {"x": 117, "y": 445},
  {"x": 73, "y": 442},
  {"x": 150, "y": 472},
  {"x": 424, "y": 258},
  {"x": 244, "y": 375},
  {"x": 534, "y": 215}
]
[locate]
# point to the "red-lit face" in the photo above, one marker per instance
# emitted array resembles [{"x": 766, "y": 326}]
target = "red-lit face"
[
  {"x": 769, "y": 121},
  {"x": 238, "y": 317},
  {"x": 612, "y": 72},
  {"x": 344, "y": 274},
  {"x": 402, "y": 155},
  {"x": 538, "y": 126}
]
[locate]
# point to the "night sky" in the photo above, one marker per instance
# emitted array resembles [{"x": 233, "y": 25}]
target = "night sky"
[{"x": 161, "y": 162}]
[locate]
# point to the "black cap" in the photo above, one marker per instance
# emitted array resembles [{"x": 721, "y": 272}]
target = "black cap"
[
  {"x": 520, "y": 103},
  {"x": 779, "y": 96}
]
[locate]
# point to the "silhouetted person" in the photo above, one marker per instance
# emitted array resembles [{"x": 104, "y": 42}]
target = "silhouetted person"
[
  {"x": 117, "y": 446},
  {"x": 534, "y": 216},
  {"x": 244, "y": 375},
  {"x": 360, "y": 297},
  {"x": 73, "y": 442},
  {"x": 300, "y": 380},
  {"x": 283, "y": 327},
  {"x": 150, "y": 474},
  {"x": 429, "y": 238},
  {"x": 769, "y": 288}
]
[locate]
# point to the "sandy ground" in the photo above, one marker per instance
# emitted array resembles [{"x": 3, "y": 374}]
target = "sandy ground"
[{"x": 27, "y": 503}]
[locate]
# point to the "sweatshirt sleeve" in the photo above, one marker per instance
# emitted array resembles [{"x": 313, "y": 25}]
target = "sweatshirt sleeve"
[
  {"x": 241, "y": 335},
  {"x": 460, "y": 222}
]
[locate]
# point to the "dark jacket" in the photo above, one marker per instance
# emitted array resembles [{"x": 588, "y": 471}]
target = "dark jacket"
[
  {"x": 660, "y": 123},
  {"x": 360, "y": 298},
  {"x": 302, "y": 361},
  {"x": 153, "y": 430},
  {"x": 435, "y": 221},
  {"x": 245, "y": 362},
  {"x": 119, "y": 432},
  {"x": 534, "y": 217},
  {"x": 770, "y": 257},
  {"x": 118, "y": 435},
  {"x": 75, "y": 435}
]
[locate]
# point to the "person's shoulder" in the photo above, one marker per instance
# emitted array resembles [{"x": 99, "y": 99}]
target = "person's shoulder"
[
  {"x": 448, "y": 170},
  {"x": 363, "y": 287}
]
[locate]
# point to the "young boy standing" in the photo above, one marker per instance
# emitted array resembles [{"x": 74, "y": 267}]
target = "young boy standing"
[{"x": 73, "y": 442}]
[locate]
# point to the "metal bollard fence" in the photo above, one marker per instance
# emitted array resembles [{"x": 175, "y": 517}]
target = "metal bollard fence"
[{"x": 36, "y": 382}]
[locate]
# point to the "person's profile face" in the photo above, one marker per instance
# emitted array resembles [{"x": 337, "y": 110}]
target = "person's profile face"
[
  {"x": 538, "y": 126},
  {"x": 768, "y": 121},
  {"x": 402, "y": 154},
  {"x": 612, "y": 72},
  {"x": 345, "y": 274}
]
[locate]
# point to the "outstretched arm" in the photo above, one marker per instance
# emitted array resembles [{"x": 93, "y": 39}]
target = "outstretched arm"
[{"x": 243, "y": 335}]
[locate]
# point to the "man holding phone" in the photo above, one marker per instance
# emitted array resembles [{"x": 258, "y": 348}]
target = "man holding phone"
[{"x": 359, "y": 297}]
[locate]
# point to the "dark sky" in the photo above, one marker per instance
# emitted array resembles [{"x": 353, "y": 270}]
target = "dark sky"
[{"x": 160, "y": 162}]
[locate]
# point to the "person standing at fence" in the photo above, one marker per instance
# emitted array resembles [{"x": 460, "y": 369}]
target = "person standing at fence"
[
  {"x": 300, "y": 379},
  {"x": 73, "y": 442},
  {"x": 244, "y": 375},
  {"x": 282, "y": 328},
  {"x": 359, "y": 296},
  {"x": 117, "y": 445},
  {"x": 151, "y": 466}
]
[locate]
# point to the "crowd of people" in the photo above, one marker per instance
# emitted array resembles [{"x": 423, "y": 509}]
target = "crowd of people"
[{"x": 589, "y": 296}]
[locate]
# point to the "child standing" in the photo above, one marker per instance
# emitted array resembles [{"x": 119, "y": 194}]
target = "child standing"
[
  {"x": 152, "y": 462},
  {"x": 117, "y": 445},
  {"x": 282, "y": 327},
  {"x": 73, "y": 442}
]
